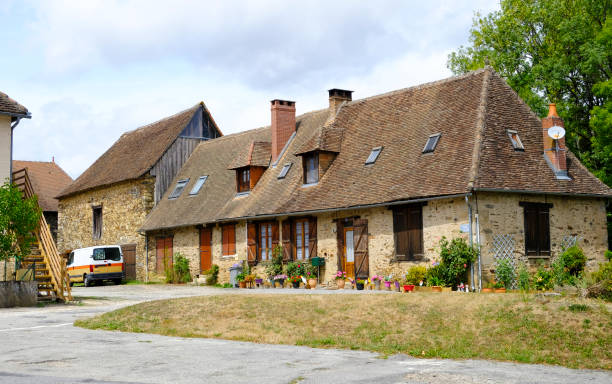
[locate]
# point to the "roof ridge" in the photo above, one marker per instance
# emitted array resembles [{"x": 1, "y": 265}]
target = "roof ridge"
[
  {"x": 480, "y": 128},
  {"x": 160, "y": 120},
  {"x": 419, "y": 86}
]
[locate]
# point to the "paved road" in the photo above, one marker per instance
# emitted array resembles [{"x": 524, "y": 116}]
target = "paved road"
[{"x": 40, "y": 345}]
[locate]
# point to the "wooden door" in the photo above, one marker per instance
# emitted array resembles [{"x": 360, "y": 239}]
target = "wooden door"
[
  {"x": 348, "y": 253},
  {"x": 163, "y": 253},
  {"x": 360, "y": 245},
  {"x": 129, "y": 260},
  {"x": 205, "y": 244}
]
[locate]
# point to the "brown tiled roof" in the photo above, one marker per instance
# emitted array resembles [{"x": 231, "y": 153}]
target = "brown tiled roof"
[
  {"x": 47, "y": 178},
  {"x": 471, "y": 112},
  {"x": 133, "y": 154},
  {"x": 324, "y": 138},
  {"x": 255, "y": 154},
  {"x": 10, "y": 106}
]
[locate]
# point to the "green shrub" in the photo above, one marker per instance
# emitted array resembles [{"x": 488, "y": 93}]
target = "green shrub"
[
  {"x": 602, "y": 282},
  {"x": 543, "y": 279},
  {"x": 578, "y": 307},
  {"x": 523, "y": 278},
  {"x": 504, "y": 273},
  {"x": 455, "y": 258},
  {"x": 608, "y": 255},
  {"x": 276, "y": 266},
  {"x": 212, "y": 275},
  {"x": 296, "y": 268},
  {"x": 574, "y": 260},
  {"x": 416, "y": 274},
  {"x": 181, "y": 269},
  {"x": 435, "y": 275}
]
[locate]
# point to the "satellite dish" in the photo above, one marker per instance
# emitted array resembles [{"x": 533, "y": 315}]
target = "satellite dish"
[{"x": 556, "y": 132}]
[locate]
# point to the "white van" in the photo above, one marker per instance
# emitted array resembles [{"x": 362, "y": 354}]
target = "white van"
[{"x": 102, "y": 262}]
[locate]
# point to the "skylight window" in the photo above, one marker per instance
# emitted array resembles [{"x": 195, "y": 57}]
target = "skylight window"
[
  {"x": 198, "y": 185},
  {"x": 284, "y": 171},
  {"x": 373, "y": 155},
  {"x": 430, "y": 146},
  {"x": 517, "y": 144},
  {"x": 180, "y": 185}
]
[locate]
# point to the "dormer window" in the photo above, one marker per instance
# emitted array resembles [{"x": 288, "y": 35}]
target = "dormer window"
[
  {"x": 198, "y": 185},
  {"x": 284, "y": 171},
  {"x": 243, "y": 180},
  {"x": 373, "y": 155},
  {"x": 180, "y": 185},
  {"x": 311, "y": 168},
  {"x": 517, "y": 144},
  {"x": 432, "y": 141}
]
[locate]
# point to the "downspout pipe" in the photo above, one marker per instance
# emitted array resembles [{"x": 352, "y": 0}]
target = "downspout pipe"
[
  {"x": 13, "y": 126},
  {"x": 479, "y": 259},
  {"x": 471, "y": 235}
]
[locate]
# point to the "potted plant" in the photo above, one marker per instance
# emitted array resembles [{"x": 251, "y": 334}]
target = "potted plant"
[
  {"x": 279, "y": 280},
  {"x": 388, "y": 282},
  {"x": 310, "y": 273},
  {"x": 488, "y": 288},
  {"x": 295, "y": 281},
  {"x": 435, "y": 283},
  {"x": 397, "y": 286},
  {"x": 360, "y": 283},
  {"x": 249, "y": 280},
  {"x": 455, "y": 258},
  {"x": 240, "y": 278},
  {"x": 377, "y": 280},
  {"x": 408, "y": 287},
  {"x": 276, "y": 265},
  {"x": 435, "y": 276},
  {"x": 504, "y": 275},
  {"x": 258, "y": 282},
  {"x": 415, "y": 276},
  {"x": 340, "y": 279}
]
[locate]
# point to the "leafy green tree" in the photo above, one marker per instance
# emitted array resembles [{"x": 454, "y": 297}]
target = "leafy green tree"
[
  {"x": 553, "y": 51},
  {"x": 18, "y": 220}
]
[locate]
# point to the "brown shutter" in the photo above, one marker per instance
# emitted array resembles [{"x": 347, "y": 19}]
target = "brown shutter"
[
  {"x": 360, "y": 241},
  {"x": 531, "y": 230},
  {"x": 169, "y": 245},
  {"x": 159, "y": 254},
  {"x": 543, "y": 232},
  {"x": 252, "y": 243},
  {"x": 400, "y": 234},
  {"x": 340, "y": 239},
  {"x": 231, "y": 239},
  {"x": 275, "y": 237},
  {"x": 312, "y": 237},
  {"x": 223, "y": 240},
  {"x": 415, "y": 232},
  {"x": 287, "y": 245}
]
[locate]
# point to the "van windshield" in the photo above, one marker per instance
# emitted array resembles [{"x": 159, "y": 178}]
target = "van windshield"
[{"x": 107, "y": 254}]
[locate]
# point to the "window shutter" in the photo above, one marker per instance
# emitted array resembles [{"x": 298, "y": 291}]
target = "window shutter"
[
  {"x": 169, "y": 253},
  {"x": 159, "y": 255},
  {"x": 360, "y": 241},
  {"x": 252, "y": 243},
  {"x": 275, "y": 238},
  {"x": 340, "y": 239},
  {"x": 531, "y": 231},
  {"x": 231, "y": 239},
  {"x": 543, "y": 232},
  {"x": 287, "y": 245},
  {"x": 415, "y": 232},
  {"x": 312, "y": 237},
  {"x": 400, "y": 234}
]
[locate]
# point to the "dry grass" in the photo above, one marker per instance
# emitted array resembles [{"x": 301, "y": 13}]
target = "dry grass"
[{"x": 510, "y": 327}]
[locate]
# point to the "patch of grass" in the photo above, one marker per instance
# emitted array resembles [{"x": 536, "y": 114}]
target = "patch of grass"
[
  {"x": 510, "y": 327},
  {"x": 578, "y": 307}
]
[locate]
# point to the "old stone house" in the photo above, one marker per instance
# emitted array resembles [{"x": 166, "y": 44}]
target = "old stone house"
[
  {"x": 108, "y": 203},
  {"x": 11, "y": 112},
  {"x": 372, "y": 185},
  {"x": 48, "y": 179}
]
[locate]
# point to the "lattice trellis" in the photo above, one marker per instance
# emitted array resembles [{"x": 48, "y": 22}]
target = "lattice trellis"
[
  {"x": 503, "y": 248},
  {"x": 569, "y": 241}
]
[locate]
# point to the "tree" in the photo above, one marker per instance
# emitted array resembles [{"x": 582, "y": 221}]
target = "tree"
[
  {"x": 18, "y": 219},
  {"x": 553, "y": 51}
]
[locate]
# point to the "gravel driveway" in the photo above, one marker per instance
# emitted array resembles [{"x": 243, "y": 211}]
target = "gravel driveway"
[{"x": 40, "y": 345}]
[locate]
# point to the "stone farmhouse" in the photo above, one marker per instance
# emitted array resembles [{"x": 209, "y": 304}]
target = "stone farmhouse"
[
  {"x": 109, "y": 202},
  {"x": 372, "y": 185},
  {"x": 47, "y": 179},
  {"x": 11, "y": 112}
]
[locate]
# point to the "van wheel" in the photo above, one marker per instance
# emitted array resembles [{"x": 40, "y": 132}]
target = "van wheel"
[
  {"x": 117, "y": 281},
  {"x": 88, "y": 281}
]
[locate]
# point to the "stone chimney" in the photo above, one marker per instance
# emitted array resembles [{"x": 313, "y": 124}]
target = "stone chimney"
[
  {"x": 554, "y": 150},
  {"x": 336, "y": 98},
  {"x": 283, "y": 125}
]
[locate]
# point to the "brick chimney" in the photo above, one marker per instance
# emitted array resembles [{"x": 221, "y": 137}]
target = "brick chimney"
[
  {"x": 336, "y": 98},
  {"x": 554, "y": 150},
  {"x": 283, "y": 125}
]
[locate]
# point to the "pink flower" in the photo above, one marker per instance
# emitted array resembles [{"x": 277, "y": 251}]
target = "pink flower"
[{"x": 464, "y": 265}]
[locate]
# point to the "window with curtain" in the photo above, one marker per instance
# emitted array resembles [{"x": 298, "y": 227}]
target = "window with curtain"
[
  {"x": 265, "y": 244},
  {"x": 302, "y": 236}
]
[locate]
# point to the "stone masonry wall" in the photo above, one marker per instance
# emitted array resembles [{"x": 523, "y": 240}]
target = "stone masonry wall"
[
  {"x": 124, "y": 208},
  {"x": 583, "y": 217}
]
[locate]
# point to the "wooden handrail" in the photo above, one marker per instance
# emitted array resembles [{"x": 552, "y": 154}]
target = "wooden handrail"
[{"x": 57, "y": 266}]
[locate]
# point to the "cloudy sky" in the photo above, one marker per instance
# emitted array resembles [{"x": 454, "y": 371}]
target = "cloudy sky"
[{"x": 91, "y": 70}]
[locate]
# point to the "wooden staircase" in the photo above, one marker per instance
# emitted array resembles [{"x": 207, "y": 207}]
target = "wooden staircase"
[{"x": 49, "y": 268}]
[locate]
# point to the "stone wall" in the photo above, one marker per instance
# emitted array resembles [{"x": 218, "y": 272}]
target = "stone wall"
[
  {"x": 18, "y": 293},
  {"x": 500, "y": 213},
  {"x": 124, "y": 208}
]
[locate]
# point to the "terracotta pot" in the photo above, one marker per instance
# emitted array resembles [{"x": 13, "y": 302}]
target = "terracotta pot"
[
  {"x": 312, "y": 283},
  {"x": 340, "y": 283},
  {"x": 500, "y": 290},
  {"x": 487, "y": 290},
  {"x": 436, "y": 288},
  {"x": 408, "y": 287},
  {"x": 242, "y": 284}
]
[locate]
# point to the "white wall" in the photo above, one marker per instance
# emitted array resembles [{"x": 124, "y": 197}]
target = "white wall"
[{"x": 5, "y": 148}]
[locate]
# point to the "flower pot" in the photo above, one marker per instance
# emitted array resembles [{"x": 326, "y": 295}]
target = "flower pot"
[
  {"x": 359, "y": 286},
  {"x": 388, "y": 285},
  {"x": 259, "y": 283},
  {"x": 296, "y": 284},
  {"x": 436, "y": 288},
  {"x": 397, "y": 286},
  {"x": 447, "y": 289},
  {"x": 408, "y": 287},
  {"x": 340, "y": 283},
  {"x": 242, "y": 284},
  {"x": 377, "y": 284},
  {"x": 312, "y": 283},
  {"x": 500, "y": 290},
  {"x": 487, "y": 290}
]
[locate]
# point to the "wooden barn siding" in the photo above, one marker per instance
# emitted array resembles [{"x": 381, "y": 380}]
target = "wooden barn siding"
[{"x": 170, "y": 163}]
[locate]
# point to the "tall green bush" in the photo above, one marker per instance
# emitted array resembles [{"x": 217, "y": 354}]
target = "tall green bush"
[
  {"x": 18, "y": 220},
  {"x": 416, "y": 274},
  {"x": 455, "y": 257},
  {"x": 504, "y": 273},
  {"x": 179, "y": 273}
]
